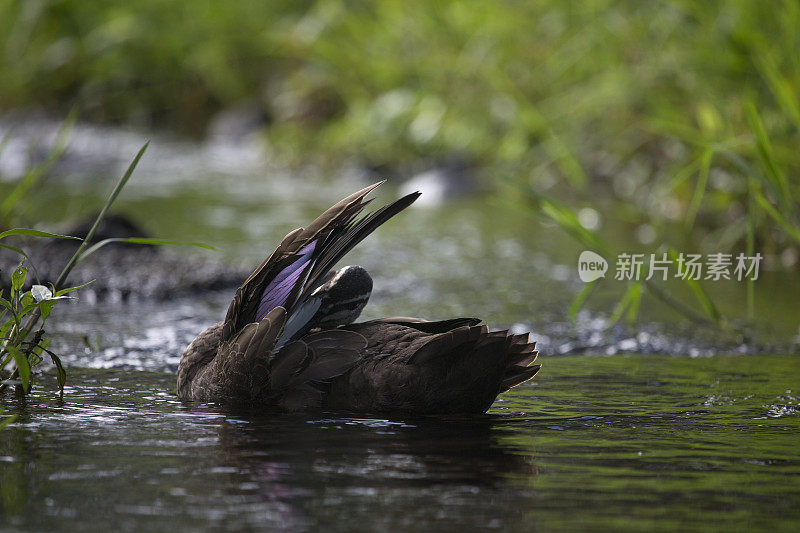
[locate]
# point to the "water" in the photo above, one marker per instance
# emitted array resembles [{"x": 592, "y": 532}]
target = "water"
[
  {"x": 622, "y": 442},
  {"x": 619, "y": 442},
  {"x": 469, "y": 256}
]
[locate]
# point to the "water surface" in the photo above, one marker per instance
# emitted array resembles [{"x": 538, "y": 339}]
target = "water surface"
[
  {"x": 469, "y": 256},
  {"x": 619, "y": 442},
  {"x": 622, "y": 442}
]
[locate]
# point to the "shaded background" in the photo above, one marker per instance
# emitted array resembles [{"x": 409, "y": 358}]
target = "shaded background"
[{"x": 634, "y": 127}]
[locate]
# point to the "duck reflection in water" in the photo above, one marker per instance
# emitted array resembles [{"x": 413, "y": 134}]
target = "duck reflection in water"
[{"x": 401, "y": 466}]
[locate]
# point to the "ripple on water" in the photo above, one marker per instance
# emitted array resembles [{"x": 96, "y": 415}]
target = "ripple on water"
[{"x": 619, "y": 442}]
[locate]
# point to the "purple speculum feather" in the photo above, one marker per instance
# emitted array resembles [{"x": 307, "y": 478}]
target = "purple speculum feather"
[{"x": 277, "y": 291}]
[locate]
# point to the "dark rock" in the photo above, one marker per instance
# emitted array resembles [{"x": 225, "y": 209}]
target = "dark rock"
[
  {"x": 123, "y": 272},
  {"x": 112, "y": 226}
]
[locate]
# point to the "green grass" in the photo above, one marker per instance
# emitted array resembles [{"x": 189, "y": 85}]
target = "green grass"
[
  {"x": 24, "y": 313},
  {"x": 22, "y": 343},
  {"x": 679, "y": 117},
  {"x": 540, "y": 90}
]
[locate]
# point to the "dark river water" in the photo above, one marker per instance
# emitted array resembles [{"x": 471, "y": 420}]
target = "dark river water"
[
  {"x": 637, "y": 443},
  {"x": 612, "y": 434}
]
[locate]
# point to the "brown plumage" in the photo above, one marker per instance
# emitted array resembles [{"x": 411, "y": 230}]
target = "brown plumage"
[{"x": 279, "y": 346}]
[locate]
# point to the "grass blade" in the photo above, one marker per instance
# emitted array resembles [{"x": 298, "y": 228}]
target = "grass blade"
[
  {"x": 74, "y": 259},
  {"x": 7, "y": 421},
  {"x": 580, "y": 299},
  {"x": 751, "y": 231},
  {"x": 140, "y": 240},
  {"x": 621, "y": 306},
  {"x": 768, "y": 160},
  {"x": 700, "y": 189},
  {"x": 70, "y": 289},
  {"x": 34, "y": 175},
  {"x": 636, "y": 299},
  {"x": 709, "y": 307},
  {"x": 565, "y": 219},
  {"x": 776, "y": 216},
  {"x": 35, "y": 233}
]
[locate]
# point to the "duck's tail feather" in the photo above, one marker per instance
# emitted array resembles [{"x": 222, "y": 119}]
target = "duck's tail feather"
[
  {"x": 292, "y": 272},
  {"x": 488, "y": 363},
  {"x": 521, "y": 355},
  {"x": 345, "y": 238}
]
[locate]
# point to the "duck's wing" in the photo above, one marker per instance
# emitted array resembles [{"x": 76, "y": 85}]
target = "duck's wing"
[
  {"x": 245, "y": 373},
  {"x": 428, "y": 326},
  {"x": 292, "y": 272},
  {"x": 451, "y": 366},
  {"x": 239, "y": 369},
  {"x": 302, "y": 371}
]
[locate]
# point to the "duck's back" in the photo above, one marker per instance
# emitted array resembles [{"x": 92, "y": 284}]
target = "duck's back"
[{"x": 453, "y": 366}]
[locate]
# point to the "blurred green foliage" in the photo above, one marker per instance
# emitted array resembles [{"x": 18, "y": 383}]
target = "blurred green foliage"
[{"x": 678, "y": 116}]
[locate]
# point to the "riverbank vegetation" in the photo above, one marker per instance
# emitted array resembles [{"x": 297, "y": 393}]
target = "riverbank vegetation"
[
  {"x": 676, "y": 123},
  {"x": 26, "y": 308},
  {"x": 23, "y": 344}
]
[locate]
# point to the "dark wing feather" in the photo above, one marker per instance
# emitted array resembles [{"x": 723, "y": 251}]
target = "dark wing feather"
[
  {"x": 438, "y": 326},
  {"x": 302, "y": 369},
  {"x": 289, "y": 362},
  {"x": 289, "y": 275},
  {"x": 240, "y": 370},
  {"x": 352, "y": 235},
  {"x": 445, "y": 344},
  {"x": 460, "y": 370}
]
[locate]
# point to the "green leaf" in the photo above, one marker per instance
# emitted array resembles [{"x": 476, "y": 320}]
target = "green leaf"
[
  {"x": 70, "y": 289},
  {"x": 18, "y": 278},
  {"x": 46, "y": 308},
  {"x": 35, "y": 233},
  {"x": 7, "y": 305},
  {"x": 23, "y": 366},
  {"x": 61, "y": 373},
  {"x": 27, "y": 299},
  {"x": 5, "y": 327},
  {"x": 23, "y": 254},
  {"x": 17, "y": 250}
]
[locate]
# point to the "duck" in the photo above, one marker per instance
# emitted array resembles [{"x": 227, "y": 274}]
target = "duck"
[{"x": 290, "y": 341}]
